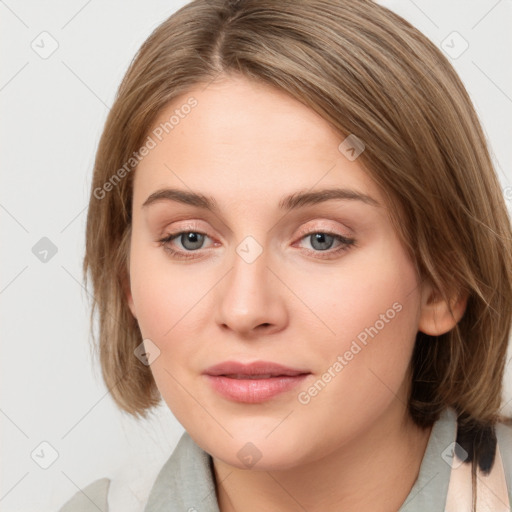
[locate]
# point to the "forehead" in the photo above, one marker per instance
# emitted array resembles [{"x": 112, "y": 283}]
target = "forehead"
[{"x": 244, "y": 139}]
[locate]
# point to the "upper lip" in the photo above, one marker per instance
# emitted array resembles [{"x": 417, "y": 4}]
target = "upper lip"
[{"x": 255, "y": 368}]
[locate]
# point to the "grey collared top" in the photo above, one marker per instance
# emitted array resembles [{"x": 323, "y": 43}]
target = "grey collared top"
[{"x": 186, "y": 481}]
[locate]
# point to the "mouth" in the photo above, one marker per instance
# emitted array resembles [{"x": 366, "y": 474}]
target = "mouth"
[
  {"x": 245, "y": 376},
  {"x": 255, "y": 382}
]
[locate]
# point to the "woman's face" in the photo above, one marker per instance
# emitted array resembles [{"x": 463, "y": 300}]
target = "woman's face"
[{"x": 322, "y": 287}]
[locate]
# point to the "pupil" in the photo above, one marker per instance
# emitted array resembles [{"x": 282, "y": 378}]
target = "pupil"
[
  {"x": 192, "y": 238},
  {"x": 320, "y": 238}
]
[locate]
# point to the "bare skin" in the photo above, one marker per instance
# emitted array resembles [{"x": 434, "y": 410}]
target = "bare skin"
[
  {"x": 351, "y": 445},
  {"x": 364, "y": 475}
]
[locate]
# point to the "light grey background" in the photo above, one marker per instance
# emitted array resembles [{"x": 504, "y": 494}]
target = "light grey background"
[{"x": 53, "y": 110}]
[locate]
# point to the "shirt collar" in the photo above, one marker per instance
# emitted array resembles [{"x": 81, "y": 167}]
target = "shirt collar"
[{"x": 431, "y": 487}]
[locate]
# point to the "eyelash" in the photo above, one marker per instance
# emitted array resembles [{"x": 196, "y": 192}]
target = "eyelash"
[{"x": 346, "y": 243}]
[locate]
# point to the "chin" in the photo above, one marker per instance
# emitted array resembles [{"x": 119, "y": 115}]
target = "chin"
[{"x": 256, "y": 452}]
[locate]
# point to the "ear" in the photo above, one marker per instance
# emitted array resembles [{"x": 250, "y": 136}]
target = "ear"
[{"x": 435, "y": 317}]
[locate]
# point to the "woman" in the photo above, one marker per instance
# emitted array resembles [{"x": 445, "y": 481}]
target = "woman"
[{"x": 297, "y": 239}]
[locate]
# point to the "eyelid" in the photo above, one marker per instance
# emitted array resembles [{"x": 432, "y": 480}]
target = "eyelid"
[
  {"x": 304, "y": 230},
  {"x": 183, "y": 227},
  {"x": 308, "y": 229}
]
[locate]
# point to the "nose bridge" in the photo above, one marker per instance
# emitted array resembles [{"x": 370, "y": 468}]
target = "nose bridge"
[{"x": 249, "y": 297}]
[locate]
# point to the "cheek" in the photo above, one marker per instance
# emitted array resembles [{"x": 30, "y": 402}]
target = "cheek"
[
  {"x": 364, "y": 294},
  {"x": 173, "y": 310},
  {"x": 160, "y": 292},
  {"x": 167, "y": 300},
  {"x": 372, "y": 312}
]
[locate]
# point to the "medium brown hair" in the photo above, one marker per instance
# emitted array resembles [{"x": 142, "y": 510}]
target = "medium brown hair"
[{"x": 367, "y": 72}]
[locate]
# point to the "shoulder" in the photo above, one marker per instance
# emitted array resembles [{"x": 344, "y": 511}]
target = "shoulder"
[
  {"x": 92, "y": 498},
  {"x": 185, "y": 474}
]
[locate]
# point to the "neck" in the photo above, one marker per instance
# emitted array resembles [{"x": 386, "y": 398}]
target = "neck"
[{"x": 379, "y": 466}]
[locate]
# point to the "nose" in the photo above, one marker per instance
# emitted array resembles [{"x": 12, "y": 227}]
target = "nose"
[{"x": 250, "y": 298}]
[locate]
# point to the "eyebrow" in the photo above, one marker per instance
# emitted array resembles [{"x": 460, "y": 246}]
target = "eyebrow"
[{"x": 294, "y": 201}]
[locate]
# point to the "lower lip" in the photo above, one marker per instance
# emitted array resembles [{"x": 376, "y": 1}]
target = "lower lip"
[{"x": 253, "y": 390}]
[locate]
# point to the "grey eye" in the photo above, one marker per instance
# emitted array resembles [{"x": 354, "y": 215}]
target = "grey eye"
[
  {"x": 191, "y": 240},
  {"x": 318, "y": 241}
]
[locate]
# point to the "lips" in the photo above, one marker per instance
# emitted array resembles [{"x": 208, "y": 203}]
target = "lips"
[
  {"x": 255, "y": 382},
  {"x": 258, "y": 369},
  {"x": 242, "y": 376}
]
